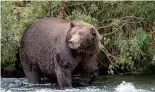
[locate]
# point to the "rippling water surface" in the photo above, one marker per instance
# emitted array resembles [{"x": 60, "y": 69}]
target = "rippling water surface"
[{"x": 124, "y": 83}]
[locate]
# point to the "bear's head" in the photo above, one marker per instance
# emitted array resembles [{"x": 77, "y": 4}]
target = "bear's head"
[{"x": 81, "y": 35}]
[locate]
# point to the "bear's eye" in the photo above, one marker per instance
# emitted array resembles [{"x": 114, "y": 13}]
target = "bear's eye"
[{"x": 80, "y": 33}]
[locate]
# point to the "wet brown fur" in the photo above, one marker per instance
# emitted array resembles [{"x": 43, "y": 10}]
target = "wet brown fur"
[{"x": 44, "y": 50}]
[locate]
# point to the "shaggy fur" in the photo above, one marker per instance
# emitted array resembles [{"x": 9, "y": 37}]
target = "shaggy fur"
[{"x": 44, "y": 50}]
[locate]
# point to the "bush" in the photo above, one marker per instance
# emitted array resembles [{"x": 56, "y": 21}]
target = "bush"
[
  {"x": 136, "y": 52},
  {"x": 15, "y": 20},
  {"x": 126, "y": 28}
]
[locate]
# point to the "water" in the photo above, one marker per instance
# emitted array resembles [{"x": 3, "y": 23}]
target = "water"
[{"x": 123, "y": 83}]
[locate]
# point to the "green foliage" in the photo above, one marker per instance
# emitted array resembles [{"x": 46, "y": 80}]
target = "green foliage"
[
  {"x": 77, "y": 15},
  {"x": 15, "y": 20},
  {"x": 123, "y": 24},
  {"x": 9, "y": 39},
  {"x": 136, "y": 52}
]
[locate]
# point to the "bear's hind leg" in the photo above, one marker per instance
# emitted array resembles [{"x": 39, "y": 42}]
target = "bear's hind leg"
[
  {"x": 32, "y": 73},
  {"x": 35, "y": 76}
]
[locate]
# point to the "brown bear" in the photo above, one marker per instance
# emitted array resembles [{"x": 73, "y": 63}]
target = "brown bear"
[{"x": 55, "y": 48}]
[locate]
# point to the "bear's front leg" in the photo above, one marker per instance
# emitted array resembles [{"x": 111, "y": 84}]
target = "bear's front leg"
[
  {"x": 89, "y": 70},
  {"x": 64, "y": 77},
  {"x": 63, "y": 70}
]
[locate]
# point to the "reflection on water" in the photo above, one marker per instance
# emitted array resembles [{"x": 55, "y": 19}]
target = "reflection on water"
[{"x": 134, "y": 83}]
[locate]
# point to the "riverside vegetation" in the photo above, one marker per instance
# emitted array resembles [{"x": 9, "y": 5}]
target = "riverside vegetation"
[{"x": 127, "y": 30}]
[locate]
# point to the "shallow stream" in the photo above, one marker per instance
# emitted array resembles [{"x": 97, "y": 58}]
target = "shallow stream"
[{"x": 123, "y": 83}]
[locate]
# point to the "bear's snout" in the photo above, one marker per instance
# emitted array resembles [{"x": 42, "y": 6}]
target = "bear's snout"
[{"x": 72, "y": 44}]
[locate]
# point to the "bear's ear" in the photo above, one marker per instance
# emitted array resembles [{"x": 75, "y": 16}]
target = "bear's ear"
[
  {"x": 74, "y": 23},
  {"x": 93, "y": 32}
]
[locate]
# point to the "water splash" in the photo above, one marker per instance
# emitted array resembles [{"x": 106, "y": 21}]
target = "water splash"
[
  {"x": 88, "y": 89},
  {"x": 128, "y": 87}
]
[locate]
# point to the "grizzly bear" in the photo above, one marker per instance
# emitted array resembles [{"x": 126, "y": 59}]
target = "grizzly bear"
[{"x": 55, "y": 48}]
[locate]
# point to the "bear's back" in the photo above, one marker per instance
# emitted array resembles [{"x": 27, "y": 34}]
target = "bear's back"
[
  {"x": 41, "y": 40},
  {"x": 44, "y": 31}
]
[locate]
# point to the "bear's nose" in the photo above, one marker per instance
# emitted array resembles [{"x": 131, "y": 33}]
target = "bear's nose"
[{"x": 71, "y": 42}]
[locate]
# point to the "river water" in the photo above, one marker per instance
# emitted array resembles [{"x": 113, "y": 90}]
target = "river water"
[{"x": 122, "y": 83}]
